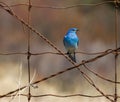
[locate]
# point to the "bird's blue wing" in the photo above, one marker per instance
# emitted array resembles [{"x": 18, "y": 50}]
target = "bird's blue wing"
[
  {"x": 64, "y": 41},
  {"x": 78, "y": 42}
]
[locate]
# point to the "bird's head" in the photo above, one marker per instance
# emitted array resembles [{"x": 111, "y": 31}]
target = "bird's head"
[{"x": 73, "y": 30}]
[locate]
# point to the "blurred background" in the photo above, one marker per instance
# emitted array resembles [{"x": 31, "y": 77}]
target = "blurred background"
[{"x": 96, "y": 26}]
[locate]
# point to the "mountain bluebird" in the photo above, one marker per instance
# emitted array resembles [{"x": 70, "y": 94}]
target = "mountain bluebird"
[{"x": 71, "y": 42}]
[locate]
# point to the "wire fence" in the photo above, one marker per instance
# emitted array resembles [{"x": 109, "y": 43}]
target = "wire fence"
[{"x": 111, "y": 97}]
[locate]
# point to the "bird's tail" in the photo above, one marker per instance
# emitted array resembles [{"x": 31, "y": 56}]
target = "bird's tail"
[{"x": 72, "y": 56}]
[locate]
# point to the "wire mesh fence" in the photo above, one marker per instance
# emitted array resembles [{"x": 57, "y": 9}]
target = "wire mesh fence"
[{"x": 33, "y": 85}]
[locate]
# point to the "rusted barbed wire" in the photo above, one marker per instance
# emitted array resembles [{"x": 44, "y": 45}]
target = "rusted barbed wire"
[
  {"x": 29, "y": 50},
  {"x": 116, "y": 45},
  {"x": 67, "y": 7},
  {"x": 76, "y": 66},
  {"x": 89, "y": 80},
  {"x": 109, "y": 80},
  {"x": 61, "y": 72},
  {"x": 63, "y": 96},
  {"x": 65, "y": 53},
  {"x": 44, "y": 53}
]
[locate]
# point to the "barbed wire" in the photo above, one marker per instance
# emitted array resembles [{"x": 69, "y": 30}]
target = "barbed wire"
[
  {"x": 116, "y": 45},
  {"x": 28, "y": 54},
  {"x": 44, "y": 53},
  {"x": 67, "y": 7},
  {"x": 59, "y": 52},
  {"x": 61, "y": 72},
  {"x": 65, "y": 96}
]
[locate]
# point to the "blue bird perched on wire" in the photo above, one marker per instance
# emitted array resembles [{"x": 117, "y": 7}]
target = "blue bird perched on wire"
[{"x": 71, "y": 42}]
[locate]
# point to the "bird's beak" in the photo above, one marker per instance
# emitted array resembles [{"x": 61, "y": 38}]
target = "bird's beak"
[{"x": 77, "y": 30}]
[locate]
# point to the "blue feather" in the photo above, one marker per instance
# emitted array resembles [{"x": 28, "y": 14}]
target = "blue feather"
[{"x": 71, "y": 42}]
